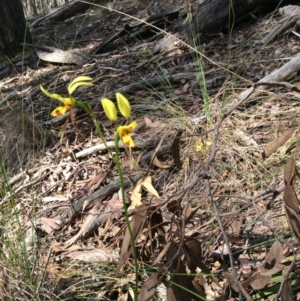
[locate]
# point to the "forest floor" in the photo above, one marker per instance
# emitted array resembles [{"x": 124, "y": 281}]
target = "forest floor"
[{"x": 206, "y": 201}]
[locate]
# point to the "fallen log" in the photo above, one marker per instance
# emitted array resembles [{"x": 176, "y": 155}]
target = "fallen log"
[
  {"x": 211, "y": 16},
  {"x": 66, "y": 11}
]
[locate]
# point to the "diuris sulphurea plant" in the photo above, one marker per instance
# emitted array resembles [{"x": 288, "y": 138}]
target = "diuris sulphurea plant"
[{"x": 122, "y": 131}]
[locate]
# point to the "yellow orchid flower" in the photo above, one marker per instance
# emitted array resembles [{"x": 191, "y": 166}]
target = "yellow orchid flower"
[
  {"x": 109, "y": 109},
  {"x": 123, "y": 105},
  {"x": 124, "y": 131},
  {"x": 69, "y": 102},
  {"x": 199, "y": 147},
  {"x": 202, "y": 147}
]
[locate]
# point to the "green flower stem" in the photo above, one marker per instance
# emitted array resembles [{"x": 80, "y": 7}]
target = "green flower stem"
[
  {"x": 100, "y": 135},
  {"x": 134, "y": 252},
  {"x": 116, "y": 159}
]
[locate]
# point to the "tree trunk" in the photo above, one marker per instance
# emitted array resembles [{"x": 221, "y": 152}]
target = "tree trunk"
[
  {"x": 55, "y": 4},
  {"x": 32, "y": 8},
  {"x": 13, "y": 27}
]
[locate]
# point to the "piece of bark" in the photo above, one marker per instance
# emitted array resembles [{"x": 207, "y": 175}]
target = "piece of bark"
[
  {"x": 98, "y": 195},
  {"x": 65, "y": 12},
  {"x": 285, "y": 72},
  {"x": 64, "y": 57},
  {"x": 291, "y": 14}
]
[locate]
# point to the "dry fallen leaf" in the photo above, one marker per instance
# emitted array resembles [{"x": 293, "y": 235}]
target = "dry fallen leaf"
[
  {"x": 286, "y": 292},
  {"x": 159, "y": 164},
  {"x": 94, "y": 182},
  {"x": 147, "y": 184},
  {"x": 290, "y": 198},
  {"x": 137, "y": 223},
  {"x": 275, "y": 145},
  {"x": 148, "y": 288},
  {"x": 96, "y": 217},
  {"x": 237, "y": 223},
  {"x": 181, "y": 285},
  {"x": 49, "y": 225},
  {"x": 136, "y": 195},
  {"x": 272, "y": 266},
  {"x": 154, "y": 124}
]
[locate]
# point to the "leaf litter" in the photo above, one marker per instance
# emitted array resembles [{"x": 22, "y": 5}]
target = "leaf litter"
[{"x": 182, "y": 254}]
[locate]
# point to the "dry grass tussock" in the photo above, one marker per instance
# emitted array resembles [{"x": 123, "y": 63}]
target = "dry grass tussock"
[{"x": 211, "y": 191}]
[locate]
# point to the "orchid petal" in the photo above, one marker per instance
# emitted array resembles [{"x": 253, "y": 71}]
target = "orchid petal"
[
  {"x": 69, "y": 101},
  {"x": 60, "y": 111},
  {"x": 127, "y": 140},
  {"x": 124, "y": 131},
  {"x": 123, "y": 105},
  {"x": 55, "y": 96},
  {"x": 79, "y": 81},
  {"x": 109, "y": 109},
  {"x": 127, "y": 128}
]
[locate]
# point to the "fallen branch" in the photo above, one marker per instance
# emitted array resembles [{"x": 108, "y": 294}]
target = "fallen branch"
[{"x": 98, "y": 195}]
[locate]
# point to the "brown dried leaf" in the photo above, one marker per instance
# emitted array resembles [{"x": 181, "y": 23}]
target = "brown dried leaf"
[
  {"x": 290, "y": 171},
  {"x": 58, "y": 246},
  {"x": 137, "y": 223},
  {"x": 95, "y": 218},
  {"x": 293, "y": 221},
  {"x": 190, "y": 212},
  {"x": 49, "y": 225},
  {"x": 181, "y": 286},
  {"x": 236, "y": 286},
  {"x": 198, "y": 283},
  {"x": 274, "y": 258},
  {"x": 272, "y": 266},
  {"x": 175, "y": 150},
  {"x": 136, "y": 195},
  {"x": 148, "y": 288},
  {"x": 274, "y": 145},
  {"x": 260, "y": 281},
  {"x": 94, "y": 182},
  {"x": 290, "y": 198},
  {"x": 248, "y": 281},
  {"x": 236, "y": 224},
  {"x": 286, "y": 293},
  {"x": 245, "y": 293},
  {"x": 154, "y": 124},
  {"x": 193, "y": 251},
  {"x": 173, "y": 206},
  {"x": 162, "y": 254},
  {"x": 115, "y": 205},
  {"x": 231, "y": 280},
  {"x": 186, "y": 87},
  {"x": 147, "y": 184},
  {"x": 159, "y": 164}
]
